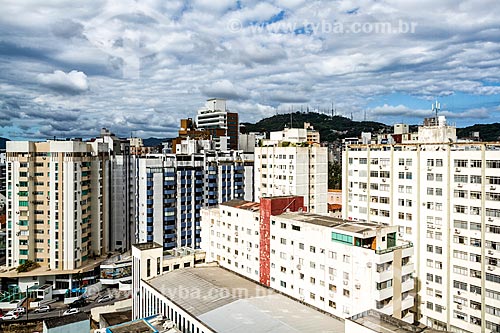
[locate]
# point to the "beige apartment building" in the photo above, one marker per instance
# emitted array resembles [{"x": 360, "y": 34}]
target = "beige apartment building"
[{"x": 56, "y": 203}]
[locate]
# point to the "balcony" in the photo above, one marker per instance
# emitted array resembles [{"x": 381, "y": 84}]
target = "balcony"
[
  {"x": 384, "y": 275},
  {"x": 383, "y": 294},
  {"x": 407, "y": 285},
  {"x": 407, "y": 303}
]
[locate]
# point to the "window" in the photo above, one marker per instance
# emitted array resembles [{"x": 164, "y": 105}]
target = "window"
[
  {"x": 460, "y": 163},
  {"x": 475, "y": 163},
  {"x": 460, "y": 285},
  {"x": 475, "y": 179}
]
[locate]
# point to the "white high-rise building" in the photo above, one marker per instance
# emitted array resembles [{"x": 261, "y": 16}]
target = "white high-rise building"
[
  {"x": 222, "y": 124},
  {"x": 57, "y": 212},
  {"x": 122, "y": 183},
  {"x": 444, "y": 196},
  {"x": 288, "y": 165}
]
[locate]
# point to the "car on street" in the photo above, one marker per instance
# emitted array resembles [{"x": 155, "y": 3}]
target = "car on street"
[
  {"x": 105, "y": 298},
  {"x": 10, "y": 316},
  {"x": 21, "y": 310},
  {"x": 78, "y": 303},
  {"x": 71, "y": 311},
  {"x": 42, "y": 309}
]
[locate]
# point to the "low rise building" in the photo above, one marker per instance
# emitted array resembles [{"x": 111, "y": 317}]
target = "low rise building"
[
  {"x": 213, "y": 299},
  {"x": 332, "y": 264}
]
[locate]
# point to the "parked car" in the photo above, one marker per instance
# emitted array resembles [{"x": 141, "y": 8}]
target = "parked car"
[
  {"x": 11, "y": 316},
  {"x": 78, "y": 303},
  {"x": 71, "y": 311},
  {"x": 21, "y": 310},
  {"x": 105, "y": 298},
  {"x": 42, "y": 309}
]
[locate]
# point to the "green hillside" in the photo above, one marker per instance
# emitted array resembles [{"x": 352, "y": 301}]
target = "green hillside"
[
  {"x": 487, "y": 132},
  {"x": 330, "y": 128}
]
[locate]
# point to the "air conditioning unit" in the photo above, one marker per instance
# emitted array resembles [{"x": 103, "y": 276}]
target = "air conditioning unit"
[
  {"x": 346, "y": 282},
  {"x": 491, "y": 268},
  {"x": 457, "y": 232},
  {"x": 493, "y": 188},
  {"x": 236, "y": 233},
  {"x": 459, "y": 306},
  {"x": 457, "y": 170},
  {"x": 406, "y": 168},
  {"x": 299, "y": 267},
  {"x": 490, "y": 219},
  {"x": 460, "y": 185},
  {"x": 490, "y": 252},
  {"x": 358, "y": 285},
  {"x": 384, "y": 180},
  {"x": 369, "y": 264}
]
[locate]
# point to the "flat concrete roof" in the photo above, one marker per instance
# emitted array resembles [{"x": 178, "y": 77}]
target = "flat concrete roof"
[
  {"x": 147, "y": 246},
  {"x": 382, "y": 323},
  {"x": 66, "y": 320},
  {"x": 227, "y": 302},
  {"x": 6, "y": 272},
  {"x": 322, "y": 220},
  {"x": 115, "y": 318},
  {"x": 332, "y": 222},
  {"x": 242, "y": 204}
]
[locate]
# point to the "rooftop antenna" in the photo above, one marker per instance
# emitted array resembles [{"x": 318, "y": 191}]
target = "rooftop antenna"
[
  {"x": 436, "y": 107},
  {"x": 351, "y": 117},
  {"x": 332, "y": 110}
]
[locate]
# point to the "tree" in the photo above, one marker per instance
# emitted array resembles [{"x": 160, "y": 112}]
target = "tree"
[{"x": 334, "y": 176}]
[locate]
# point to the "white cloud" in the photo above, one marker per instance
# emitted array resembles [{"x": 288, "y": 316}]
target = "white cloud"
[
  {"x": 184, "y": 52},
  {"x": 73, "y": 81}
]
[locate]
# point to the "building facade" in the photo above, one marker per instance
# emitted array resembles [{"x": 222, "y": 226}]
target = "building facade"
[
  {"x": 286, "y": 168},
  {"x": 216, "y": 119},
  {"x": 339, "y": 267},
  {"x": 122, "y": 189},
  {"x": 172, "y": 189},
  {"x": 443, "y": 196},
  {"x": 57, "y": 193}
]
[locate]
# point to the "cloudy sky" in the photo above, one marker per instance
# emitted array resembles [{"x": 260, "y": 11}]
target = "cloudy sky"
[{"x": 68, "y": 68}]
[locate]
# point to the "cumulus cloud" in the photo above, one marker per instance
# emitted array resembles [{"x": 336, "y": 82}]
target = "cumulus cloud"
[
  {"x": 162, "y": 60},
  {"x": 73, "y": 82}
]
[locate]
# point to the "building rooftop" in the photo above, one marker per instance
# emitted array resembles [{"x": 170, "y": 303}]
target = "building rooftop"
[
  {"x": 227, "y": 302},
  {"x": 90, "y": 264},
  {"x": 242, "y": 204},
  {"x": 322, "y": 220},
  {"x": 147, "y": 246},
  {"x": 333, "y": 222},
  {"x": 382, "y": 323},
  {"x": 66, "y": 320},
  {"x": 115, "y": 318}
]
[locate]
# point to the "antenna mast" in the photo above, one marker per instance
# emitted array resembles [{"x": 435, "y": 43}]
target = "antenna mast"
[{"x": 436, "y": 107}]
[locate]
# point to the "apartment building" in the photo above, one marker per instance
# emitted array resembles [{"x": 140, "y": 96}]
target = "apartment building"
[
  {"x": 3, "y": 173},
  {"x": 288, "y": 165},
  {"x": 216, "y": 119},
  {"x": 444, "y": 197},
  {"x": 122, "y": 188},
  {"x": 173, "y": 188},
  {"x": 57, "y": 206},
  {"x": 339, "y": 267}
]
